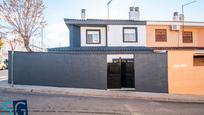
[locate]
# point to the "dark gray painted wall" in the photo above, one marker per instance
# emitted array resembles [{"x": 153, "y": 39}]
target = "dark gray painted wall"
[
  {"x": 86, "y": 70},
  {"x": 151, "y": 72},
  {"x": 66, "y": 70},
  {"x": 9, "y": 67},
  {"x": 74, "y": 36}
]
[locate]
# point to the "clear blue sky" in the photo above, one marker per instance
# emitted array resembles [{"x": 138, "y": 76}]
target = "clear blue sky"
[{"x": 56, "y": 32}]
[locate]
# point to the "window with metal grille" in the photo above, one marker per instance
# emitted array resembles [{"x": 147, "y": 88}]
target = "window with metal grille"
[
  {"x": 93, "y": 36},
  {"x": 187, "y": 37},
  {"x": 198, "y": 60},
  {"x": 160, "y": 35}
]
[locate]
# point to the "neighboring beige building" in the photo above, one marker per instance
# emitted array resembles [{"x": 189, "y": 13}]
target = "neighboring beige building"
[
  {"x": 186, "y": 72},
  {"x": 18, "y": 46},
  {"x": 184, "y": 42}
]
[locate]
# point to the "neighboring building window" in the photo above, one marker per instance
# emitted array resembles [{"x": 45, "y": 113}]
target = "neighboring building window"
[
  {"x": 93, "y": 36},
  {"x": 187, "y": 37},
  {"x": 160, "y": 35},
  {"x": 198, "y": 60},
  {"x": 129, "y": 34}
]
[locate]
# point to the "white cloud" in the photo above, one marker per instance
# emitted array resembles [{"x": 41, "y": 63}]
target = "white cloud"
[{"x": 57, "y": 35}]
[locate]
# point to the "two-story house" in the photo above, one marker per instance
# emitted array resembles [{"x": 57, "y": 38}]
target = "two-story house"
[
  {"x": 120, "y": 39},
  {"x": 107, "y": 33},
  {"x": 182, "y": 41}
]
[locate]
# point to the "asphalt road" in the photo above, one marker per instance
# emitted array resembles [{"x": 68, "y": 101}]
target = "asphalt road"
[{"x": 43, "y": 104}]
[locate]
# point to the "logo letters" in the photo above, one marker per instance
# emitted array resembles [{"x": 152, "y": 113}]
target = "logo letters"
[{"x": 20, "y": 107}]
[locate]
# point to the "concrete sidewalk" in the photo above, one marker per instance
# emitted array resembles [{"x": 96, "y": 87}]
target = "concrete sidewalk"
[{"x": 101, "y": 93}]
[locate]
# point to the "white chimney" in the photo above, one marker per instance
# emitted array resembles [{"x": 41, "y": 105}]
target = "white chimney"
[
  {"x": 181, "y": 17},
  {"x": 83, "y": 14},
  {"x": 176, "y": 16},
  {"x": 134, "y": 13}
]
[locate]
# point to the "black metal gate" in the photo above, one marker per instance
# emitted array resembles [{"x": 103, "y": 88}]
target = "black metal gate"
[{"x": 121, "y": 74}]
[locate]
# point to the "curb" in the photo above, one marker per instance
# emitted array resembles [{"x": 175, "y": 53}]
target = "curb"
[{"x": 105, "y": 94}]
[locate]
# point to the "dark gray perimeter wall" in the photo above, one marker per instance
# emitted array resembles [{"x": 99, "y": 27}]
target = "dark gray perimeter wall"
[
  {"x": 151, "y": 72},
  {"x": 86, "y": 70},
  {"x": 66, "y": 70}
]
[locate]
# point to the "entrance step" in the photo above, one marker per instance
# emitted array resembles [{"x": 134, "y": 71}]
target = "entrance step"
[{"x": 123, "y": 89}]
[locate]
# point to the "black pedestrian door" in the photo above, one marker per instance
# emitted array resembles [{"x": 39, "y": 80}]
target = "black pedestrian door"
[
  {"x": 127, "y": 74},
  {"x": 114, "y": 75},
  {"x": 121, "y": 73}
]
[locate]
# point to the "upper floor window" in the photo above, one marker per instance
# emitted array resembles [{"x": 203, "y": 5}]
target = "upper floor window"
[
  {"x": 160, "y": 35},
  {"x": 93, "y": 36},
  {"x": 187, "y": 37},
  {"x": 129, "y": 34}
]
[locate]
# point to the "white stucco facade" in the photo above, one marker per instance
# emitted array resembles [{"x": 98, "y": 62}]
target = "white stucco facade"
[{"x": 115, "y": 36}]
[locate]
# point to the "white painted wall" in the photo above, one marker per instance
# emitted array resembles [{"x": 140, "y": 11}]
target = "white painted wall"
[
  {"x": 115, "y": 35},
  {"x": 83, "y": 36}
]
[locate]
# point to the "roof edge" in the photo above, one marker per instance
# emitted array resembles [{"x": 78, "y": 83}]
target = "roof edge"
[{"x": 103, "y": 22}]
